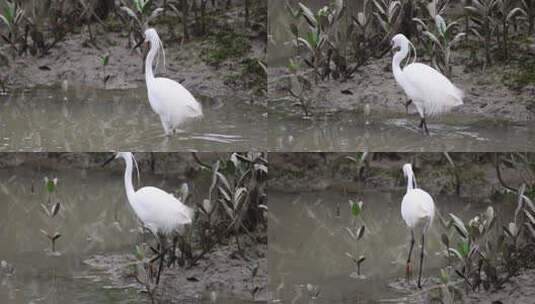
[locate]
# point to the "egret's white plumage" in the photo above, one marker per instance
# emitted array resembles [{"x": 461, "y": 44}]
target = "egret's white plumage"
[
  {"x": 158, "y": 210},
  {"x": 430, "y": 91},
  {"x": 168, "y": 98},
  {"x": 417, "y": 206},
  {"x": 418, "y": 211}
]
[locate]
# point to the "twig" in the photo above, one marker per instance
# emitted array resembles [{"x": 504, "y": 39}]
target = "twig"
[
  {"x": 499, "y": 175},
  {"x": 202, "y": 164}
]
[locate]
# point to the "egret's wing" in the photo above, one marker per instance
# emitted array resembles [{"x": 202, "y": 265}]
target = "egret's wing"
[
  {"x": 417, "y": 205},
  {"x": 161, "y": 209},
  {"x": 433, "y": 89},
  {"x": 173, "y": 101}
]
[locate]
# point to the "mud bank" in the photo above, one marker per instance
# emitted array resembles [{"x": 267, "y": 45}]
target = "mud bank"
[
  {"x": 374, "y": 85},
  {"x": 76, "y": 61},
  {"x": 519, "y": 290},
  {"x": 223, "y": 273},
  {"x": 477, "y": 178}
]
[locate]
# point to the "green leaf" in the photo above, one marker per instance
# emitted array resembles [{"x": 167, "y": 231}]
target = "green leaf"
[
  {"x": 360, "y": 232},
  {"x": 459, "y": 225},
  {"x": 356, "y": 208},
  {"x": 45, "y": 209},
  {"x": 353, "y": 236},
  {"x": 440, "y": 24},
  {"x": 463, "y": 248},
  {"x": 55, "y": 209},
  {"x": 50, "y": 186},
  {"x": 309, "y": 15},
  {"x": 138, "y": 253},
  {"x": 444, "y": 276},
  {"x": 45, "y": 233},
  {"x": 105, "y": 59}
]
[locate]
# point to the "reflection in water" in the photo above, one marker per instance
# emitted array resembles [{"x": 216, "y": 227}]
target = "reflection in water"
[
  {"x": 308, "y": 242},
  {"x": 98, "y": 120},
  {"x": 94, "y": 219},
  {"x": 342, "y": 133}
]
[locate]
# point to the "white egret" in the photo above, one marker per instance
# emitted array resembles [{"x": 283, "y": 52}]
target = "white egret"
[
  {"x": 158, "y": 211},
  {"x": 168, "y": 98},
  {"x": 418, "y": 211},
  {"x": 430, "y": 91}
]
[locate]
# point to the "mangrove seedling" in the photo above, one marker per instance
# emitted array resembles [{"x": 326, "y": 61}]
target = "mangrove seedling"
[
  {"x": 482, "y": 15},
  {"x": 254, "y": 288},
  {"x": 315, "y": 38},
  {"x": 508, "y": 11},
  {"x": 355, "y": 233},
  {"x": 387, "y": 13},
  {"x": 11, "y": 14},
  {"x": 139, "y": 11},
  {"x": 143, "y": 273},
  {"x": 443, "y": 38},
  {"x": 297, "y": 87},
  {"x": 104, "y": 60},
  {"x": 51, "y": 209}
]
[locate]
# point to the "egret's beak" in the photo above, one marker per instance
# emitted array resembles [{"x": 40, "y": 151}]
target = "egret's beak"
[
  {"x": 394, "y": 48},
  {"x": 109, "y": 160}
]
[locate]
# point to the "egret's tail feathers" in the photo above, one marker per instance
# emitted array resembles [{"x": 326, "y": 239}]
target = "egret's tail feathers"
[
  {"x": 443, "y": 103},
  {"x": 458, "y": 96}
]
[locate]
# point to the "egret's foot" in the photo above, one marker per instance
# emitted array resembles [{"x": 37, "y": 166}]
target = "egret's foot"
[{"x": 408, "y": 272}]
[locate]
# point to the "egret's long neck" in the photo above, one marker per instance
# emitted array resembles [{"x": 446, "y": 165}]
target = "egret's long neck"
[
  {"x": 411, "y": 181},
  {"x": 149, "y": 75},
  {"x": 129, "y": 187},
  {"x": 396, "y": 61}
]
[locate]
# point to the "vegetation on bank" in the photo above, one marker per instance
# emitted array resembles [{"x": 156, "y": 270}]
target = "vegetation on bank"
[
  {"x": 229, "y": 28},
  {"x": 336, "y": 40}
]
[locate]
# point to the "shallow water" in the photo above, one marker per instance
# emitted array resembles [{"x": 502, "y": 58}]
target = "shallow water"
[
  {"x": 83, "y": 119},
  {"x": 343, "y": 133},
  {"x": 94, "y": 219},
  {"x": 308, "y": 242}
]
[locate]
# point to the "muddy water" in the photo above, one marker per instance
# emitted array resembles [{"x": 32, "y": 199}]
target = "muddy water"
[
  {"x": 97, "y": 120},
  {"x": 94, "y": 219},
  {"x": 308, "y": 242},
  {"x": 343, "y": 133}
]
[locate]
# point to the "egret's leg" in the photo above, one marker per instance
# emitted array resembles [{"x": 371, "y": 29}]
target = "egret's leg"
[
  {"x": 425, "y": 127},
  {"x": 407, "y": 104},
  {"x": 172, "y": 260},
  {"x": 162, "y": 257},
  {"x": 408, "y": 267},
  {"x": 421, "y": 262}
]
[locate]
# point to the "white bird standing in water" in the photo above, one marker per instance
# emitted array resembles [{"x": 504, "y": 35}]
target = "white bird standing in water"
[
  {"x": 418, "y": 211},
  {"x": 430, "y": 91},
  {"x": 168, "y": 98},
  {"x": 159, "y": 211}
]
